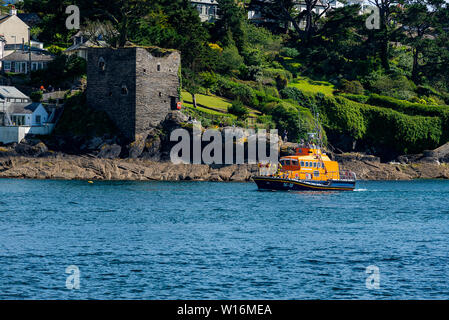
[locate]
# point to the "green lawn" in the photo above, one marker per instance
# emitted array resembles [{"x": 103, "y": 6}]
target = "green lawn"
[
  {"x": 308, "y": 85},
  {"x": 212, "y": 104}
]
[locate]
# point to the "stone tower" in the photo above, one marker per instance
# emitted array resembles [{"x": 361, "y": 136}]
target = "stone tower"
[{"x": 137, "y": 87}]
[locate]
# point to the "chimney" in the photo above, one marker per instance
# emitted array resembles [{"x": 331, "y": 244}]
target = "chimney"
[{"x": 13, "y": 11}]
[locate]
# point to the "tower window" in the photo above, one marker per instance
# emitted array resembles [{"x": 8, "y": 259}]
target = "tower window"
[
  {"x": 124, "y": 90},
  {"x": 158, "y": 67},
  {"x": 101, "y": 64}
]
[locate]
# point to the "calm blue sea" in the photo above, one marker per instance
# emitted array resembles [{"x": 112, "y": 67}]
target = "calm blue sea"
[{"x": 201, "y": 240}]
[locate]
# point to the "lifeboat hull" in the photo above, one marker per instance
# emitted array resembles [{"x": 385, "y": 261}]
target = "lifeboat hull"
[{"x": 273, "y": 183}]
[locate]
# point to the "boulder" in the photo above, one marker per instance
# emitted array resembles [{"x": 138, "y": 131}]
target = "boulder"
[
  {"x": 108, "y": 151},
  {"x": 136, "y": 147},
  {"x": 94, "y": 143},
  {"x": 442, "y": 153},
  {"x": 29, "y": 150},
  {"x": 174, "y": 120},
  {"x": 152, "y": 148}
]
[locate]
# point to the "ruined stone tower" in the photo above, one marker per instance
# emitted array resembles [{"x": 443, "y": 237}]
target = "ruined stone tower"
[{"x": 137, "y": 87}]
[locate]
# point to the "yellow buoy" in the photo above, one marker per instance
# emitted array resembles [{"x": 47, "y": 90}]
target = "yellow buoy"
[{"x": 91, "y": 182}]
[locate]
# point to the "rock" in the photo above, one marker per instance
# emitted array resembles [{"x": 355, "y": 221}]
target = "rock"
[
  {"x": 429, "y": 159},
  {"x": 136, "y": 147},
  {"x": 40, "y": 148},
  {"x": 94, "y": 143},
  {"x": 174, "y": 120},
  {"x": 109, "y": 151},
  {"x": 28, "y": 150},
  {"x": 153, "y": 146},
  {"x": 430, "y": 153}
]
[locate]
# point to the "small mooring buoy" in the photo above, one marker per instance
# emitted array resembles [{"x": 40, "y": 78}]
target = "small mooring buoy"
[{"x": 91, "y": 182}]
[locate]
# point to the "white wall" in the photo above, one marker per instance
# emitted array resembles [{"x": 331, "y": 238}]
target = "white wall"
[
  {"x": 13, "y": 134},
  {"x": 14, "y": 27},
  {"x": 16, "y": 134}
]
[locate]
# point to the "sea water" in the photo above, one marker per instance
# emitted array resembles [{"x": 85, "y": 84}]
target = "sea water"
[{"x": 205, "y": 240}]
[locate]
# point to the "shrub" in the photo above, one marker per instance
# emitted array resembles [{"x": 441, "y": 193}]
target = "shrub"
[
  {"x": 274, "y": 73},
  {"x": 354, "y": 87},
  {"x": 236, "y": 91},
  {"x": 290, "y": 52},
  {"x": 209, "y": 80},
  {"x": 36, "y": 96},
  {"x": 281, "y": 82},
  {"x": 305, "y": 99},
  {"x": 356, "y": 97},
  {"x": 239, "y": 110},
  {"x": 382, "y": 126},
  {"x": 230, "y": 60},
  {"x": 296, "y": 121},
  {"x": 397, "y": 86}
]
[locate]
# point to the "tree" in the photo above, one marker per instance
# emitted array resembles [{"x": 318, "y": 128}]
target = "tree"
[
  {"x": 386, "y": 9},
  {"x": 229, "y": 28},
  {"x": 424, "y": 24},
  {"x": 286, "y": 12},
  {"x": 191, "y": 83},
  {"x": 122, "y": 14}
]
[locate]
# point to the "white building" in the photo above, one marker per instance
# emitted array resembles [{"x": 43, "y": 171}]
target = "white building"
[
  {"x": 19, "y": 60},
  {"x": 20, "y": 116},
  {"x": 319, "y": 8},
  {"x": 28, "y": 114},
  {"x": 207, "y": 9},
  {"x": 13, "y": 28}
]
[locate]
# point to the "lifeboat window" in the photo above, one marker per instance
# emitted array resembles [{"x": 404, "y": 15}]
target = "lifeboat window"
[
  {"x": 302, "y": 163},
  {"x": 316, "y": 173},
  {"x": 307, "y": 163},
  {"x": 314, "y": 164}
]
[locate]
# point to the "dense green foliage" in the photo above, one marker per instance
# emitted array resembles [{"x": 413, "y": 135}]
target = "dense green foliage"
[
  {"x": 77, "y": 120},
  {"x": 364, "y": 88}
]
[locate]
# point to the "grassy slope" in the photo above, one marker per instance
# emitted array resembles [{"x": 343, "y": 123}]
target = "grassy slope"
[
  {"x": 212, "y": 104},
  {"x": 308, "y": 85}
]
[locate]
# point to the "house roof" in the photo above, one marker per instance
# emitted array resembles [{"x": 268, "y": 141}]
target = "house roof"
[
  {"x": 11, "y": 92},
  {"x": 36, "y": 56},
  {"x": 4, "y": 17},
  {"x": 87, "y": 44},
  {"x": 25, "y": 108}
]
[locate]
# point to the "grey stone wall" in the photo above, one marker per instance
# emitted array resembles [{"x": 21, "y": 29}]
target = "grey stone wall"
[
  {"x": 157, "y": 87},
  {"x": 129, "y": 86}
]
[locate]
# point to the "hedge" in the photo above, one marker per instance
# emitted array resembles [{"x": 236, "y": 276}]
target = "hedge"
[{"x": 377, "y": 125}]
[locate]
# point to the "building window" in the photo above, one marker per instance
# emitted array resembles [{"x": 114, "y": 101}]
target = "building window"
[
  {"x": 124, "y": 90},
  {"x": 18, "y": 120},
  {"x": 160, "y": 94},
  {"x": 101, "y": 64},
  {"x": 158, "y": 67},
  {"x": 7, "y": 65},
  {"x": 38, "y": 119}
]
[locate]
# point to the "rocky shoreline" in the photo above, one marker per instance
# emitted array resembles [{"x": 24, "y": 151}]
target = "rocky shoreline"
[{"x": 67, "y": 167}]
